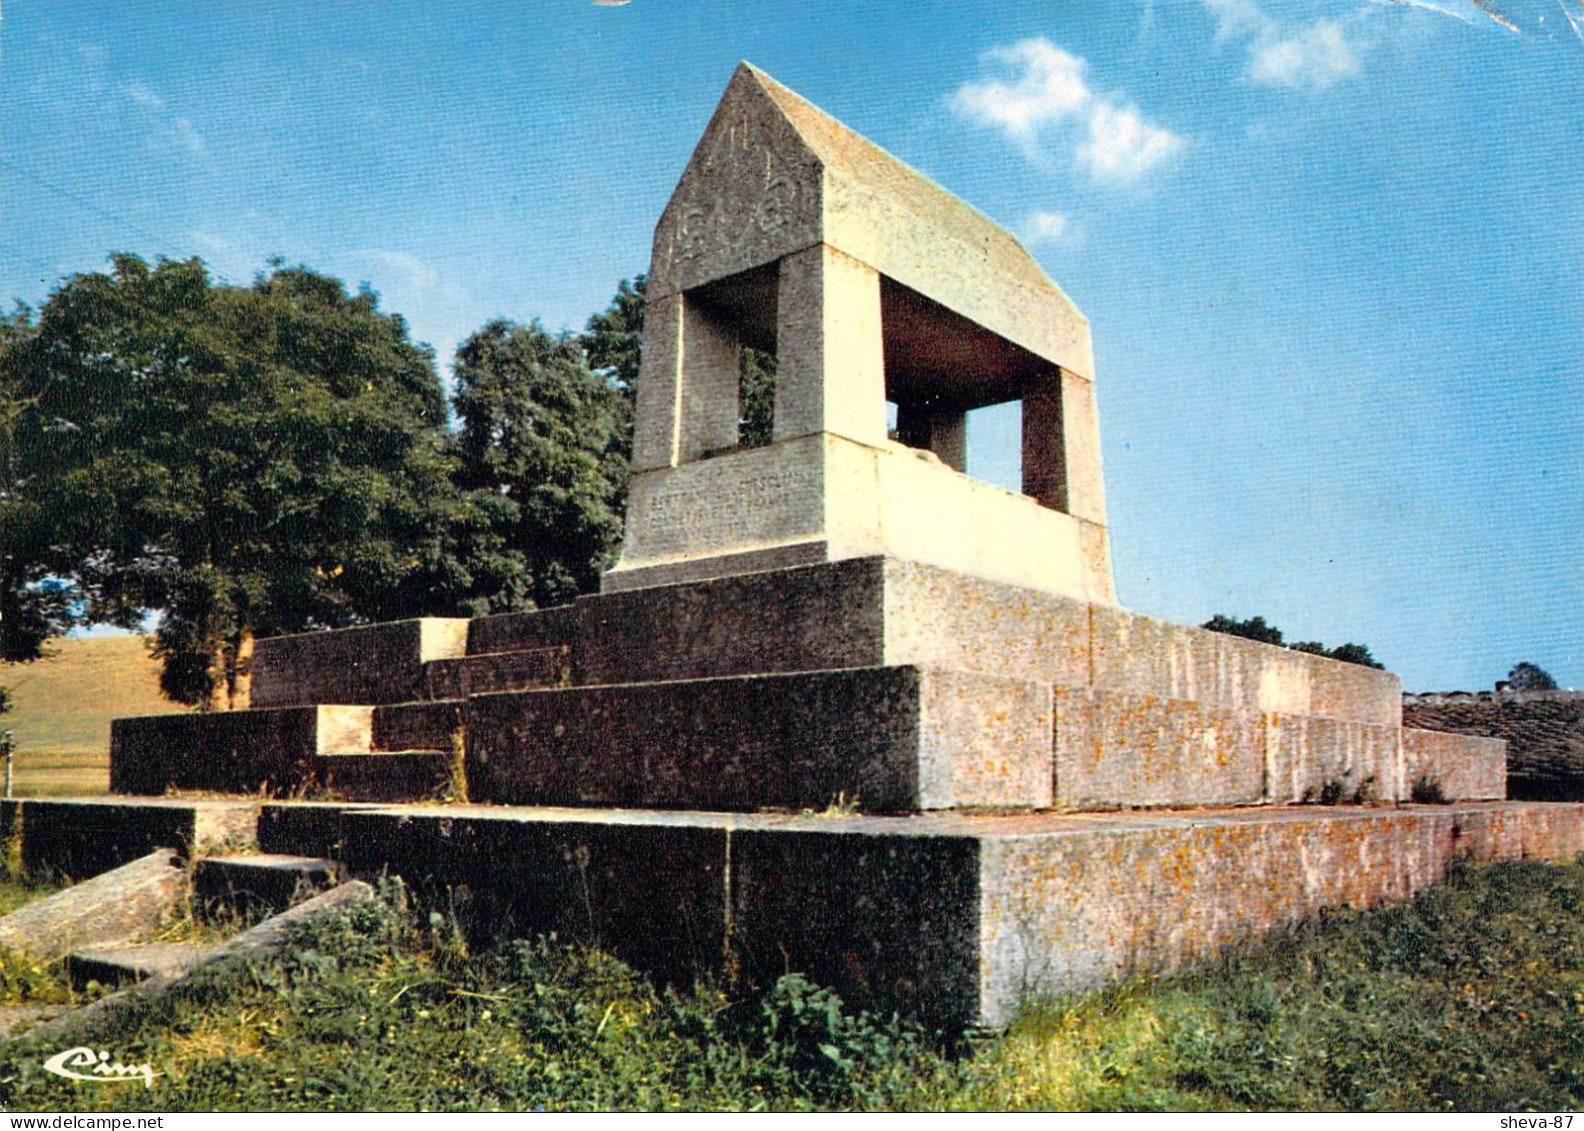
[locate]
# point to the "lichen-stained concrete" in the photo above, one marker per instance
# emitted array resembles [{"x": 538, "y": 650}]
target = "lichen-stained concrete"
[
  {"x": 82, "y": 837},
  {"x": 895, "y": 739},
  {"x": 1456, "y": 766},
  {"x": 951, "y": 917},
  {"x": 133, "y": 901}
]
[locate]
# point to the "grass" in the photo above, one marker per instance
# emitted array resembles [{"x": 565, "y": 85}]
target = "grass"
[
  {"x": 1469, "y": 998},
  {"x": 63, "y": 705}
]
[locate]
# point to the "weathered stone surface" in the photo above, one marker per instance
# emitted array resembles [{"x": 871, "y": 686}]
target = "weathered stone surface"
[
  {"x": 267, "y": 750},
  {"x": 417, "y": 726},
  {"x": 377, "y": 663},
  {"x": 81, "y": 838},
  {"x": 1123, "y": 751},
  {"x": 812, "y": 618},
  {"x": 653, "y": 885},
  {"x": 248, "y": 884},
  {"x": 1462, "y": 767},
  {"x": 304, "y": 828},
  {"x": 498, "y": 671},
  {"x": 1311, "y": 759},
  {"x": 407, "y": 775},
  {"x": 890, "y": 919},
  {"x": 1067, "y": 908},
  {"x": 953, "y": 917},
  {"x": 1139, "y": 655},
  {"x": 132, "y": 901},
  {"x": 114, "y": 965},
  {"x": 120, "y": 1011},
  {"x": 511, "y": 632},
  {"x": 891, "y": 739}
]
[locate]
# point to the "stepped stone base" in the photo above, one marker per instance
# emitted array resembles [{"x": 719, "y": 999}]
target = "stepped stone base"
[
  {"x": 904, "y": 686},
  {"x": 952, "y": 917}
]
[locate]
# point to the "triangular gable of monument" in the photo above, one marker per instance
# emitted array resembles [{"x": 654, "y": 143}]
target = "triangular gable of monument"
[
  {"x": 774, "y": 174},
  {"x": 751, "y": 193}
]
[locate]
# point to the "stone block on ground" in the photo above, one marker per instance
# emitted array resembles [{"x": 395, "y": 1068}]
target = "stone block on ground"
[
  {"x": 248, "y": 884},
  {"x": 1458, "y": 767},
  {"x": 115, "y": 965},
  {"x": 1131, "y": 751},
  {"x": 130, "y": 902},
  {"x": 266, "y": 750}
]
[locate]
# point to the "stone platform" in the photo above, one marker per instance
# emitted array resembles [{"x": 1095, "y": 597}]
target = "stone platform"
[
  {"x": 952, "y": 917},
  {"x": 893, "y": 686}
]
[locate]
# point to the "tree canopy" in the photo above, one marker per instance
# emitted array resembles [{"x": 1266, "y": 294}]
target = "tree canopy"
[
  {"x": 535, "y": 432},
  {"x": 248, "y": 460},
  {"x": 1256, "y": 628},
  {"x": 1530, "y": 677}
]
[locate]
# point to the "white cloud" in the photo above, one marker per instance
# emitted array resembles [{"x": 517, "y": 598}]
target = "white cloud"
[
  {"x": 1048, "y": 86},
  {"x": 1045, "y": 227},
  {"x": 143, "y": 96},
  {"x": 1043, "y": 94},
  {"x": 1312, "y": 56},
  {"x": 1122, "y": 146},
  {"x": 186, "y": 137},
  {"x": 416, "y": 274},
  {"x": 170, "y": 131}
]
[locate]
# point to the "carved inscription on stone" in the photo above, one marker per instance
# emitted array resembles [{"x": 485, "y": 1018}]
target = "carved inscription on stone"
[
  {"x": 707, "y": 514},
  {"x": 744, "y": 199}
]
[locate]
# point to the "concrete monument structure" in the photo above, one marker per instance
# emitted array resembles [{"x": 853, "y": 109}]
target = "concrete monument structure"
[
  {"x": 839, "y": 706},
  {"x": 791, "y": 234}
]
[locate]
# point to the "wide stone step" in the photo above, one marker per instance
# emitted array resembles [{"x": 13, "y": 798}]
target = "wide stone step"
[
  {"x": 884, "y": 740},
  {"x": 957, "y": 918},
  {"x": 386, "y": 775},
  {"x": 498, "y": 671},
  {"x": 259, "y": 883},
  {"x": 554, "y": 627},
  {"x": 116, "y": 965},
  {"x": 81, "y": 837},
  {"x": 415, "y": 726}
]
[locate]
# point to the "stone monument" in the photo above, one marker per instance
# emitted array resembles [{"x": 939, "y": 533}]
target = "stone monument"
[
  {"x": 840, "y": 708},
  {"x": 869, "y": 284}
]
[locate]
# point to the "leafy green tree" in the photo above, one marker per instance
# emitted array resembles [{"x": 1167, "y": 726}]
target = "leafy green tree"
[
  {"x": 249, "y": 460},
  {"x": 1347, "y": 653},
  {"x": 612, "y": 342},
  {"x": 1530, "y": 677},
  {"x": 1256, "y": 628},
  {"x": 33, "y": 605},
  {"x": 534, "y": 437}
]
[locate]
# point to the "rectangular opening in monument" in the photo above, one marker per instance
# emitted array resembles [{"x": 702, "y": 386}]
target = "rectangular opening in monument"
[{"x": 995, "y": 445}]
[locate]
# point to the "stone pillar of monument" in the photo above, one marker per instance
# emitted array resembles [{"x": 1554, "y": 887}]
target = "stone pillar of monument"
[{"x": 791, "y": 234}]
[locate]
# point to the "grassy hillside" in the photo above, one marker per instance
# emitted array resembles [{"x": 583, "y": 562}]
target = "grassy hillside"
[{"x": 62, "y": 709}]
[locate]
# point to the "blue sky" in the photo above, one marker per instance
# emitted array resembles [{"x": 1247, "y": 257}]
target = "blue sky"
[{"x": 1332, "y": 253}]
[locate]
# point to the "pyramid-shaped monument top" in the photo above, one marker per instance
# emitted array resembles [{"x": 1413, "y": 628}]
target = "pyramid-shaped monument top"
[
  {"x": 789, "y": 233},
  {"x": 774, "y": 174}
]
